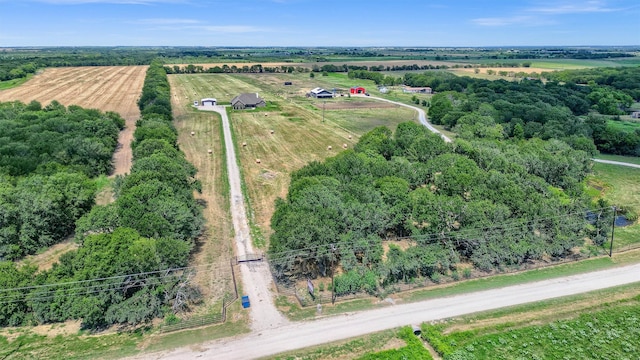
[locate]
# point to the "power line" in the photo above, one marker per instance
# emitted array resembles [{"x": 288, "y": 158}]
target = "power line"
[
  {"x": 433, "y": 237},
  {"x": 89, "y": 286}
]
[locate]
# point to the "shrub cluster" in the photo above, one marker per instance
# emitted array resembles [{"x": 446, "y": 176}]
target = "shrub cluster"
[{"x": 491, "y": 203}]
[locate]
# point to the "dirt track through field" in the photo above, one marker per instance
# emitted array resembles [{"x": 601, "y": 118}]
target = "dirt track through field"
[{"x": 107, "y": 88}]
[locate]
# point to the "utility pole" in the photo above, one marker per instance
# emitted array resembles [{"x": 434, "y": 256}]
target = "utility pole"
[
  {"x": 333, "y": 285},
  {"x": 613, "y": 228}
]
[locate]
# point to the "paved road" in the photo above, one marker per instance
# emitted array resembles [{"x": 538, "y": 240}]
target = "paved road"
[
  {"x": 616, "y": 163},
  {"x": 256, "y": 277},
  {"x": 306, "y": 334},
  {"x": 421, "y": 116}
]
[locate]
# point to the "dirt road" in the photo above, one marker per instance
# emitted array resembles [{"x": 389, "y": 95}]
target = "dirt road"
[
  {"x": 306, "y": 334},
  {"x": 611, "y": 162},
  {"x": 256, "y": 276},
  {"x": 421, "y": 116}
]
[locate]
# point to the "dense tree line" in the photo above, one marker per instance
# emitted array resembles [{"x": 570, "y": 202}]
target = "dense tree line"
[
  {"x": 127, "y": 268},
  {"x": 47, "y": 157},
  {"x": 33, "y": 138},
  {"x": 486, "y": 202},
  {"x": 625, "y": 79},
  {"x": 531, "y": 108}
]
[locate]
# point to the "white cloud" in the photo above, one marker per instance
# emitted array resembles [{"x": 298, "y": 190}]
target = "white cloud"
[
  {"x": 546, "y": 14},
  {"x": 161, "y": 21},
  {"x": 574, "y": 7},
  {"x": 502, "y": 21},
  {"x": 235, "y": 29}
]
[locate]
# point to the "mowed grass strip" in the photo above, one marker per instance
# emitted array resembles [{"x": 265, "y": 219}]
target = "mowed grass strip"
[{"x": 215, "y": 246}]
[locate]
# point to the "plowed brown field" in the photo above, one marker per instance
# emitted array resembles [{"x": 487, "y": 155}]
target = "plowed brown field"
[{"x": 108, "y": 88}]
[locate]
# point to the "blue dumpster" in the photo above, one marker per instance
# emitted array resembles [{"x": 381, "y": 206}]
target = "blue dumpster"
[{"x": 245, "y": 301}]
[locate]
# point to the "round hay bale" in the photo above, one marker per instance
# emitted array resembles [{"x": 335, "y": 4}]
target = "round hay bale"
[
  {"x": 257, "y": 161},
  {"x": 272, "y": 131},
  {"x": 265, "y": 114},
  {"x": 350, "y": 136},
  {"x": 244, "y": 144},
  {"x": 329, "y": 147},
  {"x": 344, "y": 146},
  {"x": 193, "y": 133},
  {"x": 210, "y": 151}
]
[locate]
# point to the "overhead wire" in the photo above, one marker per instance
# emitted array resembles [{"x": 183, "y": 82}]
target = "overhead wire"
[{"x": 88, "y": 286}]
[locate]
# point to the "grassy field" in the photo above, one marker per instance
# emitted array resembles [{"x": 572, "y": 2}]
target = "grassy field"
[
  {"x": 586, "y": 328},
  {"x": 361, "y": 347},
  {"x": 215, "y": 247},
  {"x": 525, "y": 321},
  {"x": 620, "y": 185},
  {"x": 628, "y": 126},
  {"x": 8, "y": 84},
  {"x": 25, "y": 343},
  {"x": 290, "y": 135}
]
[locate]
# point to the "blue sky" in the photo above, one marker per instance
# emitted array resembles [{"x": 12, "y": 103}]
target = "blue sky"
[{"x": 319, "y": 22}]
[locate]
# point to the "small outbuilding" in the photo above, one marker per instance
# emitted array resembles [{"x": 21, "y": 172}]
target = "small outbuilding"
[
  {"x": 357, "y": 90},
  {"x": 208, "y": 102},
  {"x": 635, "y": 115},
  {"x": 320, "y": 93},
  {"x": 247, "y": 101},
  {"x": 417, "y": 90}
]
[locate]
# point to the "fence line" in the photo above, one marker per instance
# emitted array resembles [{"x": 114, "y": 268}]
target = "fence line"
[{"x": 208, "y": 319}]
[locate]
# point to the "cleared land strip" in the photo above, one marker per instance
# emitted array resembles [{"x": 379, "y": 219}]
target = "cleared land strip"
[{"x": 306, "y": 334}]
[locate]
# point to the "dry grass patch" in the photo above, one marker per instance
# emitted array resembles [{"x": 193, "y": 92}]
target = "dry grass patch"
[
  {"x": 299, "y": 135},
  {"x": 46, "y": 259},
  {"x": 214, "y": 248}
]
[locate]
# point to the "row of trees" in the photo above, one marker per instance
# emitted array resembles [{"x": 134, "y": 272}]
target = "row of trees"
[
  {"x": 490, "y": 203},
  {"x": 128, "y": 268},
  {"x": 530, "y": 108},
  {"x": 47, "y": 159}
]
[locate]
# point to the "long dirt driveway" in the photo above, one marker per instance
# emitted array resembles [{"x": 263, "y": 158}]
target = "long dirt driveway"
[{"x": 256, "y": 276}]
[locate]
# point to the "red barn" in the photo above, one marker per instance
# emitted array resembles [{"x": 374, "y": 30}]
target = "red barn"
[{"x": 358, "y": 90}]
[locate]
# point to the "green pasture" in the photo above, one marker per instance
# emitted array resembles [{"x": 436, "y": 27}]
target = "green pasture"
[
  {"x": 8, "y": 84},
  {"x": 627, "y": 126},
  {"x": 620, "y": 186},
  {"x": 605, "y": 330},
  {"x": 569, "y": 317}
]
